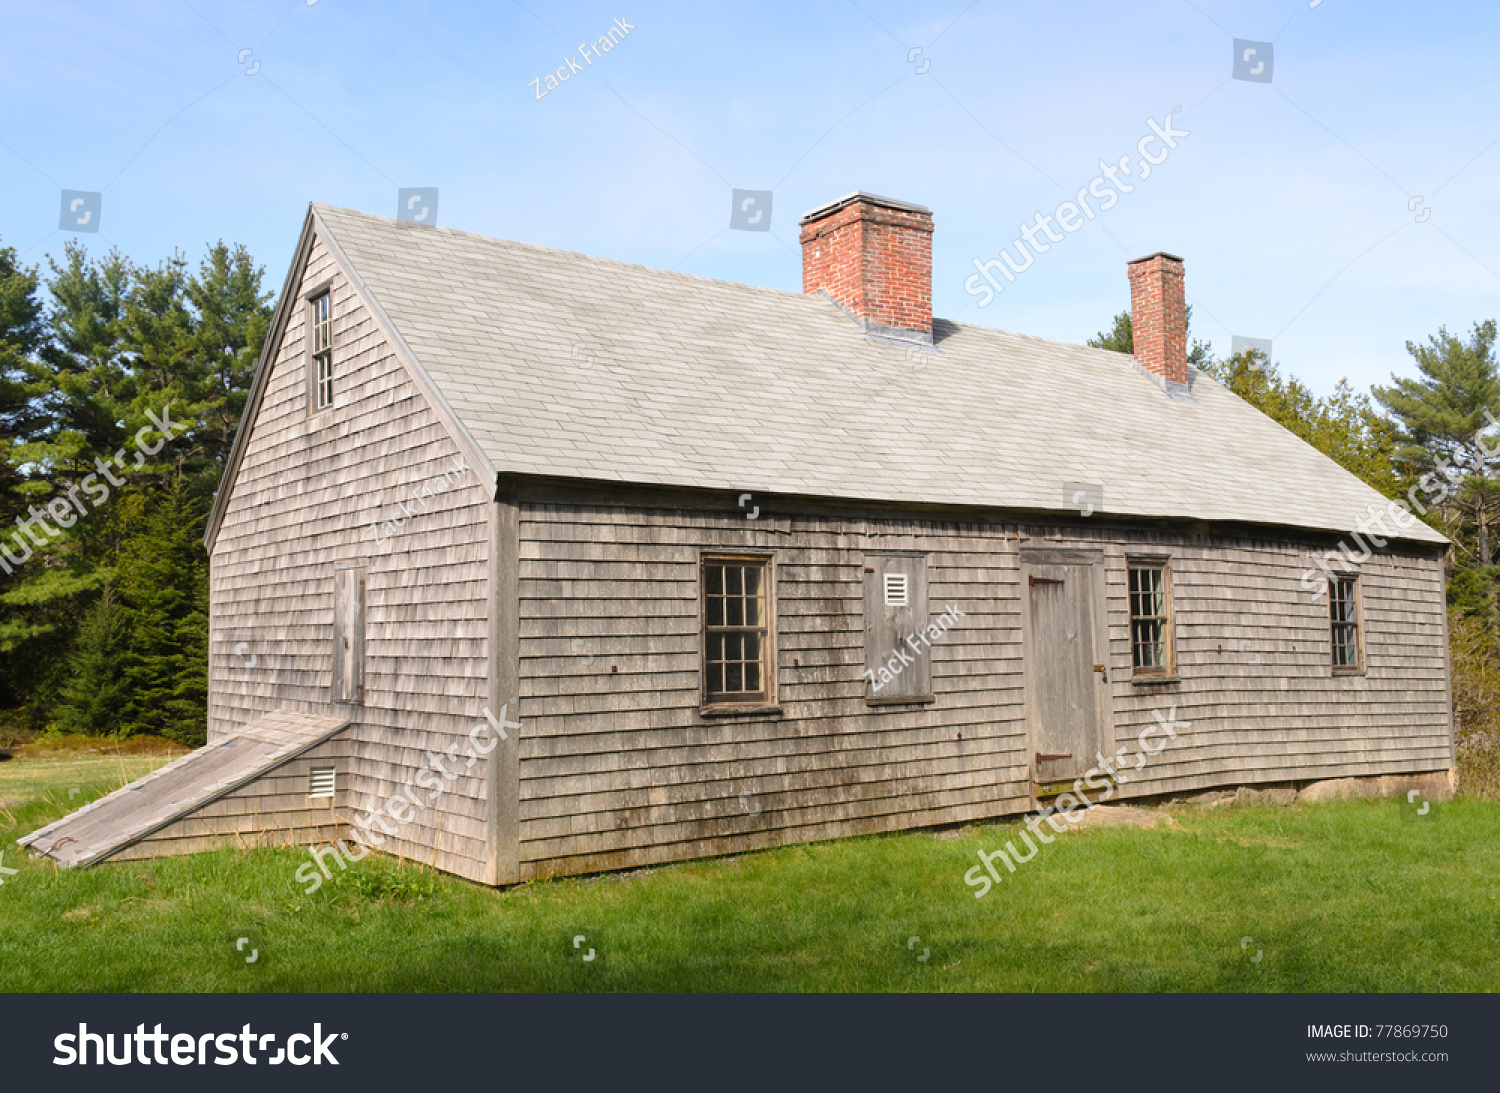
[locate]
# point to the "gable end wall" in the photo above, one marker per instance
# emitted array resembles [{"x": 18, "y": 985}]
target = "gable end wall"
[{"x": 304, "y": 499}]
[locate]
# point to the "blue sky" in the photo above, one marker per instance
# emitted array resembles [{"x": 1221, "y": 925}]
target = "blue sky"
[{"x": 1294, "y": 203}]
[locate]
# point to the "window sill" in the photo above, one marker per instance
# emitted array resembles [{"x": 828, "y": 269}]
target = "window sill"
[
  {"x": 1173, "y": 678},
  {"x": 739, "y": 711},
  {"x": 1348, "y": 671},
  {"x": 902, "y": 700}
]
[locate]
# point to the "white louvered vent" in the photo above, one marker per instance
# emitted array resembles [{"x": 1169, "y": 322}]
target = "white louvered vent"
[
  {"x": 896, "y": 593},
  {"x": 320, "y": 782}
]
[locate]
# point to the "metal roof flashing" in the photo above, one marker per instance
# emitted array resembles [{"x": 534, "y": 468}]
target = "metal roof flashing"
[{"x": 859, "y": 195}]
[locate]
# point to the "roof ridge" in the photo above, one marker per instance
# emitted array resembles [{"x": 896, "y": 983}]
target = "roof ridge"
[{"x": 542, "y": 248}]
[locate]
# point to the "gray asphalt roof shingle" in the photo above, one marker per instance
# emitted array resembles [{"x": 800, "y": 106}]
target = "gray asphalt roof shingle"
[{"x": 703, "y": 383}]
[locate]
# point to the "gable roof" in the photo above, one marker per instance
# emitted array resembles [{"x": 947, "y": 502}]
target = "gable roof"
[{"x": 563, "y": 364}]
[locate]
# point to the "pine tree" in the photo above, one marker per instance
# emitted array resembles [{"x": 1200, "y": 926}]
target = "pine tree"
[
  {"x": 120, "y": 343},
  {"x": 23, "y": 386},
  {"x": 232, "y": 316},
  {"x": 93, "y": 697},
  {"x": 1442, "y": 417},
  {"x": 1120, "y": 338},
  {"x": 164, "y": 586}
]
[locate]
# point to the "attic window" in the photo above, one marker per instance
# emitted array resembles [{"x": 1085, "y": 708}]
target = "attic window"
[
  {"x": 320, "y": 782},
  {"x": 322, "y": 350}
]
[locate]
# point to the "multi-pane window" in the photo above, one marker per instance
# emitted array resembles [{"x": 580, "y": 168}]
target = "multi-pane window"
[
  {"x": 1343, "y": 617},
  {"x": 736, "y": 630},
  {"x": 1150, "y": 619},
  {"x": 322, "y": 350}
]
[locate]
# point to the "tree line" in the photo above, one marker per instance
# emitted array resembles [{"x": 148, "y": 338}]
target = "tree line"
[{"x": 104, "y": 603}]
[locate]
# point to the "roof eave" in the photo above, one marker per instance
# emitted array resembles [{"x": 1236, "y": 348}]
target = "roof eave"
[{"x": 510, "y": 482}]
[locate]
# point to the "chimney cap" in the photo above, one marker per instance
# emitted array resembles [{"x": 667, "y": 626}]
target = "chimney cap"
[
  {"x": 860, "y": 195},
  {"x": 1157, "y": 254}
]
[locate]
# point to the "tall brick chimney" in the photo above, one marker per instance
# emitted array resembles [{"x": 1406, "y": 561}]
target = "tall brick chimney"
[
  {"x": 1158, "y": 316},
  {"x": 874, "y": 256}
]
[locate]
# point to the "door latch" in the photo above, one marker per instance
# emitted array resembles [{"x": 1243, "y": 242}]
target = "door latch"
[
  {"x": 1040, "y": 758},
  {"x": 1045, "y": 580}
]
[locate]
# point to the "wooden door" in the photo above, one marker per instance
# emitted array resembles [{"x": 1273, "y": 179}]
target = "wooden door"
[{"x": 1067, "y": 702}]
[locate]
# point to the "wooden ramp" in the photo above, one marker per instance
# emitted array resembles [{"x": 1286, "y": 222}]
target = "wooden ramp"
[{"x": 183, "y": 786}]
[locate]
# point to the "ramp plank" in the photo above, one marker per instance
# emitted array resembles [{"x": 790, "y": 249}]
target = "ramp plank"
[{"x": 150, "y": 803}]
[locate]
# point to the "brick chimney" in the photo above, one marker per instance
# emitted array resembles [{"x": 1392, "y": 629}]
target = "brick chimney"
[
  {"x": 1158, "y": 316},
  {"x": 874, "y": 256}
]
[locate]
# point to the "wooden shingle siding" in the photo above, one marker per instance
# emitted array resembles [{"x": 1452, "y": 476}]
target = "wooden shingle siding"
[
  {"x": 306, "y": 492},
  {"x": 1256, "y": 676},
  {"x": 619, "y": 768}
]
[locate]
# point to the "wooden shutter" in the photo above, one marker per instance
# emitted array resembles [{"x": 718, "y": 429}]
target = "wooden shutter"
[
  {"x": 895, "y": 609},
  {"x": 349, "y": 634}
]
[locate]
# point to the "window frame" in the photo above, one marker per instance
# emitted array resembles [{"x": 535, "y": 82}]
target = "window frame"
[
  {"x": 1166, "y": 672},
  {"x": 1355, "y": 599},
  {"x": 767, "y": 699},
  {"x": 319, "y": 380}
]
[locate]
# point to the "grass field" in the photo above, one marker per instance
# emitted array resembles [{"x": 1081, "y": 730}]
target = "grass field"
[
  {"x": 1338, "y": 897},
  {"x": 67, "y": 776}
]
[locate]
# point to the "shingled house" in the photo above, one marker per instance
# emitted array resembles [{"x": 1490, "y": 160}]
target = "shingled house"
[{"x": 731, "y": 567}]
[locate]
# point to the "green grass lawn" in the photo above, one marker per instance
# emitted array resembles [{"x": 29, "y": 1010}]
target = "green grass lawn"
[
  {"x": 1339, "y": 897},
  {"x": 70, "y": 779}
]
